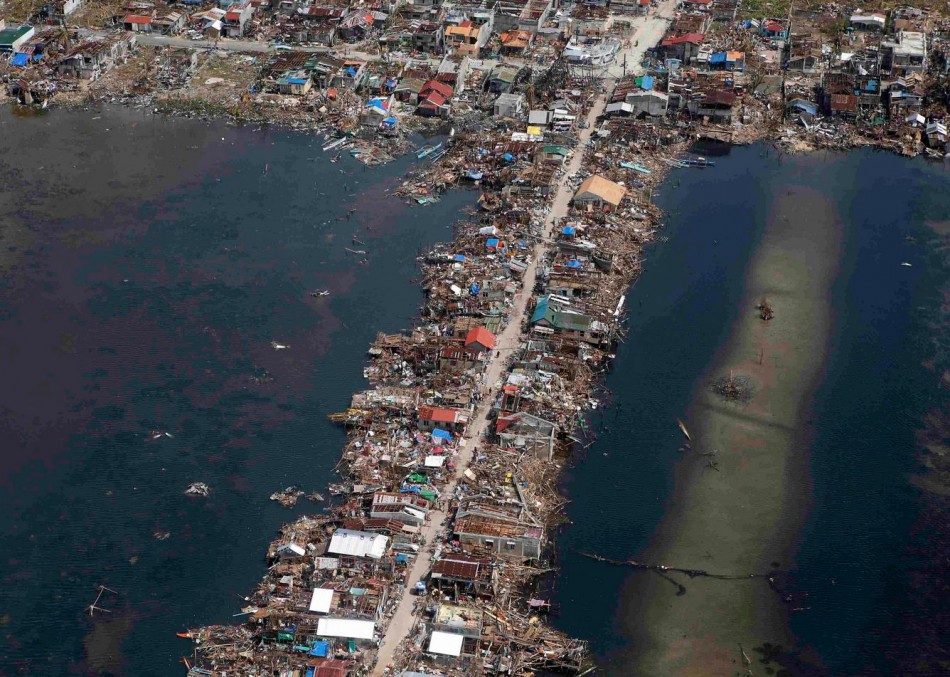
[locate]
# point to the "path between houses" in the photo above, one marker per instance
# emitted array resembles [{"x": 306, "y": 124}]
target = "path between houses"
[{"x": 401, "y": 624}]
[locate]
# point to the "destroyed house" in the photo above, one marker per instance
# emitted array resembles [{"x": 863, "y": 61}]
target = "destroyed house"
[
  {"x": 399, "y": 532},
  {"x": 533, "y": 15},
  {"x": 466, "y": 38},
  {"x": 482, "y": 528},
  {"x": 428, "y": 37},
  {"x": 422, "y": 10},
  {"x": 681, "y": 47},
  {"x": 528, "y": 433},
  {"x": 715, "y": 104},
  {"x": 89, "y": 60},
  {"x": 461, "y": 573},
  {"x": 170, "y": 23},
  {"x": 457, "y": 358},
  {"x": 502, "y": 78},
  {"x": 455, "y": 631},
  {"x": 907, "y": 54},
  {"x": 409, "y": 508},
  {"x": 235, "y": 20},
  {"x": 439, "y": 417}
]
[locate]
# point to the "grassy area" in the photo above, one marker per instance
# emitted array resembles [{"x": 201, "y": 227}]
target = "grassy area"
[{"x": 758, "y": 9}]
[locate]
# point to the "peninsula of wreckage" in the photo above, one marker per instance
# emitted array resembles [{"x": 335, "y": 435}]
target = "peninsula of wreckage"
[{"x": 429, "y": 558}]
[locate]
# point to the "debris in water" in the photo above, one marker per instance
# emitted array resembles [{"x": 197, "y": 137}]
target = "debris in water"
[
  {"x": 198, "y": 489},
  {"x": 287, "y": 497}
]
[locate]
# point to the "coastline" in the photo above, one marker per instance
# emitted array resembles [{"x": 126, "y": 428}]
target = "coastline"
[{"x": 743, "y": 516}]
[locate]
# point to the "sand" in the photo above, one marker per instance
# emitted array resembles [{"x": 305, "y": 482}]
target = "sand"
[{"x": 744, "y": 518}]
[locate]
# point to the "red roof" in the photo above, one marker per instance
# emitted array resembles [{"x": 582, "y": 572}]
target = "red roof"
[
  {"x": 436, "y": 86},
  {"x": 697, "y": 2},
  {"x": 482, "y": 337},
  {"x": 137, "y": 19},
  {"x": 774, "y": 26},
  {"x": 644, "y": 3},
  {"x": 437, "y": 414},
  {"x": 504, "y": 421},
  {"x": 693, "y": 38}
]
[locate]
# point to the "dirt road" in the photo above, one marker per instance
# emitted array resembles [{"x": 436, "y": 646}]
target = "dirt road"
[{"x": 648, "y": 34}]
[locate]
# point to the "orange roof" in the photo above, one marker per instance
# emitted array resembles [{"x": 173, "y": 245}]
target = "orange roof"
[
  {"x": 464, "y": 31},
  {"x": 482, "y": 337},
  {"x": 438, "y": 414}
]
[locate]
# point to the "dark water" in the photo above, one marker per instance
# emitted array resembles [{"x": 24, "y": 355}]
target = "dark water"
[
  {"x": 146, "y": 265},
  {"x": 862, "y": 540}
]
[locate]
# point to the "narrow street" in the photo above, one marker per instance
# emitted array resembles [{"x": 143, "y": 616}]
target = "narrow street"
[{"x": 648, "y": 34}]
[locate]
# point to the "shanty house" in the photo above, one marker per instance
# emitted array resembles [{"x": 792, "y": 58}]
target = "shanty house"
[
  {"x": 648, "y": 102},
  {"x": 440, "y": 417},
  {"x": 235, "y": 21},
  {"x": 434, "y": 99},
  {"x": 775, "y": 29},
  {"x": 169, "y": 24},
  {"x": 481, "y": 339},
  {"x": 599, "y": 192},
  {"x": 137, "y": 23},
  {"x": 296, "y": 82},
  {"x": 682, "y": 47}
]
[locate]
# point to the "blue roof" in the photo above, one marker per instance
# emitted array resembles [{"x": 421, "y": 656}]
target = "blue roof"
[
  {"x": 20, "y": 59},
  {"x": 442, "y": 434},
  {"x": 647, "y": 82},
  {"x": 297, "y": 81},
  {"x": 540, "y": 310},
  {"x": 460, "y": 257},
  {"x": 492, "y": 242},
  {"x": 402, "y": 557},
  {"x": 718, "y": 57},
  {"x": 569, "y": 230},
  {"x": 320, "y": 649},
  {"x": 390, "y": 121}
]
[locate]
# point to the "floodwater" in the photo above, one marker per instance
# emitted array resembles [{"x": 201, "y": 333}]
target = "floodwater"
[
  {"x": 147, "y": 266},
  {"x": 838, "y": 520}
]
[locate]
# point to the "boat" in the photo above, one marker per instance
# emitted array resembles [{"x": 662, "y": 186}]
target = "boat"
[
  {"x": 439, "y": 154},
  {"x": 320, "y": 292},
  {"x": 355, "y": 251},
  {"x": 278, "y": 346},
  {"x": 699, "y": 162},
  {"x": 683, "y": 428},
  {"x": 198, "y": 489},
  {"x": 428, "y": 150},
  {"x": 335, "y": 144},
  {"x": 636, "y": 168},
  {"x": 474, "y": 174}
]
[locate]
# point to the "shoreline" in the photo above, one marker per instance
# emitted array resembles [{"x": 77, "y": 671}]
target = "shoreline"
[{"x": 743, "y": 516}]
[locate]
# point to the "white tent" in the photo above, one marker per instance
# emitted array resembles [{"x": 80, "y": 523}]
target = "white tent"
[
  {"x": 446, "y": 643},
  {"x": 320, "y": 602},
  {"x": 348, "y": 628}
]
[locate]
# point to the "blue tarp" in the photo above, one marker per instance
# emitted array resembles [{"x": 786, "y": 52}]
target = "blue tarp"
[
  {"x": 20, "y": 59},
  {"x": 351, "y": 71},
  {"x": 320, "y": 649},
  {"x": 391, "y": 83},
  {"x": 647, "y": 82},
  {"x": 311, "y": 671},
  {"x": 297, "y": 81},
  {"x": 390, "y": 121},
  {"x": 575, "y": 264},
  {"x": 509, "y": 157},
  {"x": 474, "y": 289},
  {"x": 569, "y": 230},
  {"x": 442, "y": 434},
  {"x": 460, "y": 258},
  {"x": 402, "y": 557},
  {"x": 492, "y": 242}
]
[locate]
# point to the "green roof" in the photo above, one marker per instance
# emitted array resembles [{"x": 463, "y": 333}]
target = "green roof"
[
  {"x": 10, "y": 35},
  {"x": 559, "y": 150}
]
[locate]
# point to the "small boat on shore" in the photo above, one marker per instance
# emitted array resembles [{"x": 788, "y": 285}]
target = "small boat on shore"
[
  {"x": 636, "y": 168},
  {"x": 335, "y": 144},
  {"x": 426, "y": 151},
  {"x": 474, "y": 174}
]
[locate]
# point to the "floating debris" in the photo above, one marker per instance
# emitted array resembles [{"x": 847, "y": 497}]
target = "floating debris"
[
  {"x": 198, "y": 489},
  {"x": 287, "y": 497}
]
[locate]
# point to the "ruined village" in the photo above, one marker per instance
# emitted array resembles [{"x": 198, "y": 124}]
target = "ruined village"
[{"x": 431, "y": 555}]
